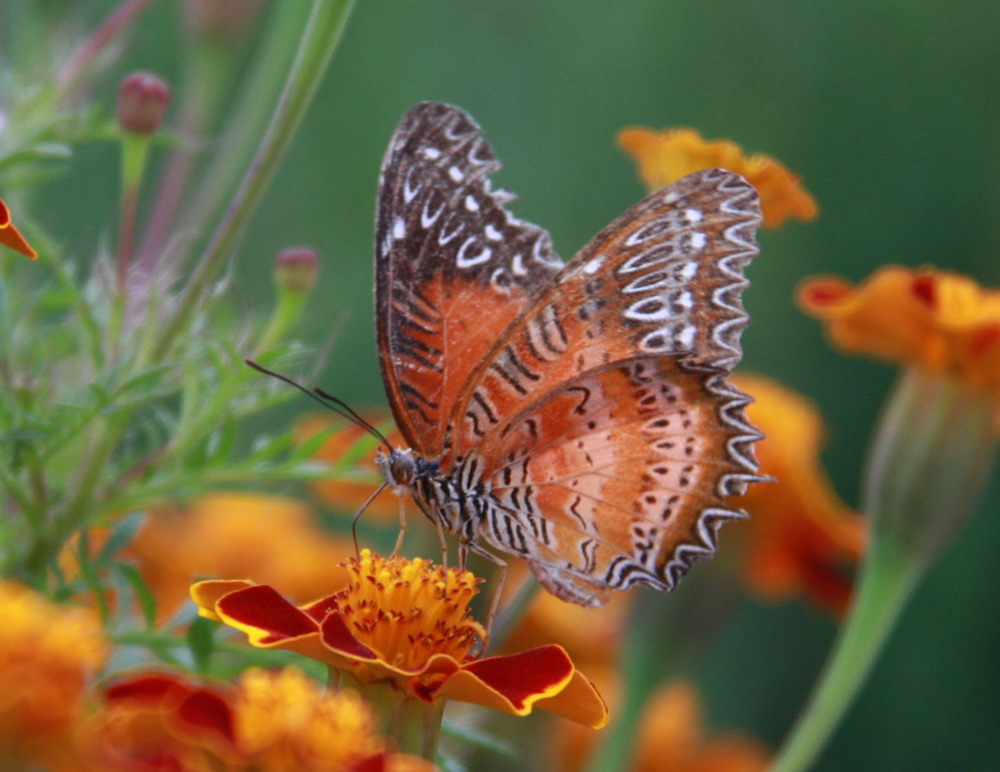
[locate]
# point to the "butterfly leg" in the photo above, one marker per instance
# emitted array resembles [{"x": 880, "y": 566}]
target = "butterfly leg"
[
  {"x": 360, "y": 512},
  {"x": 402, "y": 528},
  {"x": 444, "y": 545},
  {"x": 501, "y": 579}
]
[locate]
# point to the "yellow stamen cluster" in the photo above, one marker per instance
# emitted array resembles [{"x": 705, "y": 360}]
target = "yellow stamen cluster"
[
  {"x": 408, "y": 610},
  {"x": 285, "y": 721}
]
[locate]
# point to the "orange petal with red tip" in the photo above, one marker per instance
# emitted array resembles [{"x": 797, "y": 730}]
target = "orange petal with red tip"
[
  {"x": 206, "y": 594},
  {"x": 11, "y": 237},
  {"x": 515, "y": 683}
]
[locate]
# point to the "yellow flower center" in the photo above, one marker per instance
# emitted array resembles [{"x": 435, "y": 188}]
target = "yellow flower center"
[{"x": 409, "y": 610}]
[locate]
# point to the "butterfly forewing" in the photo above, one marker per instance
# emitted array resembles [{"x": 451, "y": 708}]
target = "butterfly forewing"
[
  {"x": 453, "y": 268},
  {"x": 577, "y": 416}
]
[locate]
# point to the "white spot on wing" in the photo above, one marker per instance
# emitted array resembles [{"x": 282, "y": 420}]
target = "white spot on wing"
[
  {"x": 432, "y": 153},
  {"x": 517, "y": 265},
  {"x": 456, "y": 174},
  {"x": 492, "y": 233},
  {"x": 399, "y": 228},
  {"x": 693, "y": 216},
  {"x": 471, "y": 204},
  {"x": 464, "y": 261},
  {"x": 594, "y": 265}
]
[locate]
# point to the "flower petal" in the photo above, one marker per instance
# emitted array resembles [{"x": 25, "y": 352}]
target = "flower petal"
[
  {"x": 513, "y": 683},
  {"x": 264, "y": 615},
  {"x": 11, "y": 237},
  {"x": 206, "y": 594}
]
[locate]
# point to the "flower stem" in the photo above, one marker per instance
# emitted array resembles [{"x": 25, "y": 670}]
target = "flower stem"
[
  {"x": 323, "y": 31},
  {"x": 135, "y": 151},
  {"x": 886, "y": 582}
]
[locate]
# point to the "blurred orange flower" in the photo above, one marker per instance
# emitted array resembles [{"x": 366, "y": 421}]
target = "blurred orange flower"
[
  {"x": 672, "y": 737},
  {"x": 11, "y": 237},
  {"x": 800, "y": 535},
  {"x": 351, "y": 451},
  {"x": 406, "y": 623},
  {"x": 270, "y": 722},
  {"x": 940, "y": 321},
  {"x": 666, "y": 156},
  {"x": 48, "y": 652},
  {"x": 265, "y": 538}
]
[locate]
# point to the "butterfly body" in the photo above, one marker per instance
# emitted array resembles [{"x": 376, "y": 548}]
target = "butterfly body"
[{"x": 574, "y": 415}]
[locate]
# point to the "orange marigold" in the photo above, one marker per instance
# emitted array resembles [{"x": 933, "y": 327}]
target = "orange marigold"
[
  {"x": 936, "y": 320},
  {"x": 800, "y": 536},
  {"x": 48, "y": 652},
  {"x": 266, "y": 538},
  {"x": 666, "y": 156}
]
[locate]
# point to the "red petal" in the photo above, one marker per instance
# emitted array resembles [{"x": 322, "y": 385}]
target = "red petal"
[
  {"x": 522, "y": 678},
  {"x": 263, "y": 607},
  {"x": 205, "y": 710},
  {"x": 149, "y": 687},
  {"x": 336, "y": 635}
]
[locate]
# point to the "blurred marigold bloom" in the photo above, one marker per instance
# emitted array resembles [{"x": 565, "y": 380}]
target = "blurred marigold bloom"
[
  {"x": 936, "y": 320},
  {"x": 353, "y": 457},
  {"x": 800, "y": 536},
  {"x": 11, "y": 237},
  {"x": 666, "y": 156},
  {"x": 157, "y": 720},
  {"x": 47, "y": 654},
  {"x": 672, "y": 737},
  {"x": 406, "y": 623},
  {"x": 268, "y": 722},
  {"x": 285, "y": 720},
  {"x": 269, "y": 539}
]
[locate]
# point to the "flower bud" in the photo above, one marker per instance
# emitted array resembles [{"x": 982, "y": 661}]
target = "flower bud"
[
  {"x": 221, "y": 21},
  {"x": 142, "y": 103},
  {"x": 295, "y": 268}
]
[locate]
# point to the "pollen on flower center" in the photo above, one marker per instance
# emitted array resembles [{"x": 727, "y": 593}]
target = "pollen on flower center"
[{"x": 409, "y": 610}]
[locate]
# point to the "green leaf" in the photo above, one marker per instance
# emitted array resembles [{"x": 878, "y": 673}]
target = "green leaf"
[
  {"x": 479, "y": 738},
  {"x": 144, "y": 596}
]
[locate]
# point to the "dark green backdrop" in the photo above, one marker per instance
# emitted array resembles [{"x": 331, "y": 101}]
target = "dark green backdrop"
[{"x": 891, "y": 113}]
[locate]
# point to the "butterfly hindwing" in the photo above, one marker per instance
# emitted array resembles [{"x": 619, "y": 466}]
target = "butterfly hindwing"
[
  {"x": 602, "y": 419},
  {"x": 453, "y": 268}
]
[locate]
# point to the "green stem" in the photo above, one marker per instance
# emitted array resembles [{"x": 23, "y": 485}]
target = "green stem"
[
  {"x": 323, "y": 31},
  {"x": 886, "y": 582},
  {"x": 249, "y": 117},
  {"x": 135, "y": 151}
]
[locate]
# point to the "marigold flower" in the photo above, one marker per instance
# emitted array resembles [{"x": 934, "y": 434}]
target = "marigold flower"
[
  {"x": 285, "y": 720},
  {"x": 800, "y": 536},
  {"x": 406, "y": 623},
  {"x": 159, "y": 720},
  {"x": 671, "y": 736},
  {"x": 666, "y": 156},
  {"x": 270, "y": 539},
  {"x": 11, "y": 237},
  {"x": 355, "y": 479},
  {"x": 940, "y": 321},
  {"x": 47, "y": 654}
]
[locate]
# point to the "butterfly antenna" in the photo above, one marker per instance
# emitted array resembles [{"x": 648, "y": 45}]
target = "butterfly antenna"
[
  {"x": 350, "y": 411},
  {"x": 339, "y": 406}
]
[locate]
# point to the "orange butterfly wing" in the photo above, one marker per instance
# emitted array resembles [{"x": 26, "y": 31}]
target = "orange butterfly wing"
[
  {"x": 602, "y": 422},
  {"x": 453, "y": 268}
]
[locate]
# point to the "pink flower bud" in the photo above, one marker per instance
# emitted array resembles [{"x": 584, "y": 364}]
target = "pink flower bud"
[
  {"x": 142, "y": 103},
  {"x": 295, "y": 268}
]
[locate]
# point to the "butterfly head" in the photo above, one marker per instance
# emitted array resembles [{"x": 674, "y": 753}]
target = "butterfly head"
[{"x": 402, "y": 467}]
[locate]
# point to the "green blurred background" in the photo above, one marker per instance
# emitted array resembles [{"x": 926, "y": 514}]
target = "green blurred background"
[{"x": 891, "y": 113}]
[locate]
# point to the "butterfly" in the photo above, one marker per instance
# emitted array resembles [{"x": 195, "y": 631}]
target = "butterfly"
[{"x": 574, "y": 415}]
